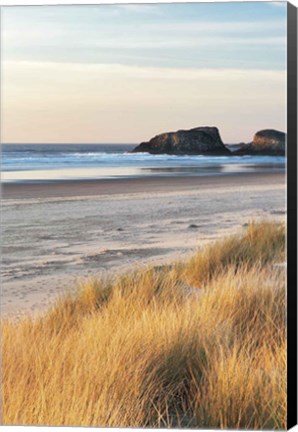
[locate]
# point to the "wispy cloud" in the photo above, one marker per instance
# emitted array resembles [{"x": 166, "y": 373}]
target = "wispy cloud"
[
  {"x": 148, "y": 9},
  {"x": 208, "y": 29},
  {"x": 112, "y": 69},
  {"x": 145, "y": 34},
  {"x": 210, "y": 26},
  {"x": 278, "y": 3},
  {"x": 195, "y": 42},
  {"x": 71, "y": 74}
]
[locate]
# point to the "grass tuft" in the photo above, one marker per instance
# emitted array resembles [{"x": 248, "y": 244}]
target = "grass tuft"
[{"x": 200, "y": 344}]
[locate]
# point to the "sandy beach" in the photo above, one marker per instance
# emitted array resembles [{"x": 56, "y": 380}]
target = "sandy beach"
[{"x": 56, "y": 234}]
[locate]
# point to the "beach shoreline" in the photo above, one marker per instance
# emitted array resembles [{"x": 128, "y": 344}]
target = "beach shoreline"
[
  {"x": 57, "y": 235},
  {"x": 97, "y": 187}
]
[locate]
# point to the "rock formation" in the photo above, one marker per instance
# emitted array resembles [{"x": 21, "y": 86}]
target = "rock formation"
[
  {"x": 265, "y": 142},
  {"x": 200, "y": 140}
]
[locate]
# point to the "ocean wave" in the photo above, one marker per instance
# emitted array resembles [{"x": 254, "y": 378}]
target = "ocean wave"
[{"x": 59, "y": 157}]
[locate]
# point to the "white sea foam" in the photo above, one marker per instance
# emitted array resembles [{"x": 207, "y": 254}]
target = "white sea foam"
[{"x": 50, "y": 162}]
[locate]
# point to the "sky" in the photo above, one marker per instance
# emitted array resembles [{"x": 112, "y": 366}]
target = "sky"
[{"x": 125, "y": 73}]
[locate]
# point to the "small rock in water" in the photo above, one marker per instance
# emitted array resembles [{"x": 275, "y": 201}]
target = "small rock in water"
[
  {"x": 193, "y": 226},
  {"x": 265, "y": 142}
]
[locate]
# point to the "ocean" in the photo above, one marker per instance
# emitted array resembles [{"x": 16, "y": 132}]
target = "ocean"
[{"x": 51, "y": 162}]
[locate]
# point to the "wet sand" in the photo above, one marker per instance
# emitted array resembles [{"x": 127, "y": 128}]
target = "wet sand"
[
  {"x": 56, "y": 234},
  {"x": 80, "y": 188}
]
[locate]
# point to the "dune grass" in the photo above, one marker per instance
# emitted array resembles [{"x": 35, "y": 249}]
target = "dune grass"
[{"x": 199, "y": 344}]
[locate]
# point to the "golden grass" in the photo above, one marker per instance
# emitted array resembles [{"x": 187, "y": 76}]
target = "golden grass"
[{"x": 149, "y": 350}]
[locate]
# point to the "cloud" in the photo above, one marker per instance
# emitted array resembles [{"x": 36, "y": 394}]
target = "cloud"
[
  {"x": 111, "y": 70},
  {"x": 121, "y": 34},
  {"x": 218, "y": 26},
  {"x": 278, "y": 4},
  {"x": 149, "y": 9},
  {"x": 151, "y": 38},
  {"x": 194, "y": 42},
  {"x": 209, "y": 29}
]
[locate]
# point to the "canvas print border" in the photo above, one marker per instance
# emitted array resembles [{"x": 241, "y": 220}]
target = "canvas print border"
[{"x": 291, "y": 215}]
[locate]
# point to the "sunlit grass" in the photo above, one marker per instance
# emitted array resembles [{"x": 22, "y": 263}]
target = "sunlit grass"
[{"x": 197, "y": 344}]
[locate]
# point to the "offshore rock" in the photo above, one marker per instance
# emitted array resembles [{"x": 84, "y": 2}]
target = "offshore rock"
[
  {"x": 265, "y": 142},
  {"x": 197, "y": 141}
]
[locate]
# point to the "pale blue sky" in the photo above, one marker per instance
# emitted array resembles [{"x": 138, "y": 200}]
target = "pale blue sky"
[{"x": 115, "y": 73}]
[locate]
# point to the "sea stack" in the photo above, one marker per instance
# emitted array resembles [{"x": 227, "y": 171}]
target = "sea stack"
[
  {"x": 198, "y": 141},
  {"x": 265, "y": 142}
]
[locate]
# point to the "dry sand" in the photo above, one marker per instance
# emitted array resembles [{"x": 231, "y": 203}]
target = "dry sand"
[{"x": 55, "y": 235}]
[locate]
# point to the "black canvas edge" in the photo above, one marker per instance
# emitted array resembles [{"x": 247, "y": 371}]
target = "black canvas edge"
[{"x": 292, "y": 215}]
